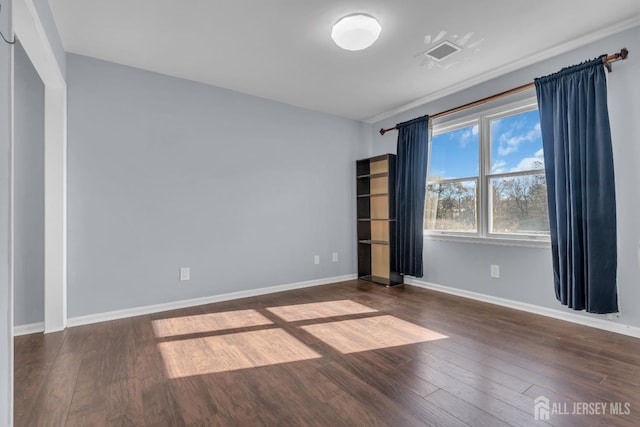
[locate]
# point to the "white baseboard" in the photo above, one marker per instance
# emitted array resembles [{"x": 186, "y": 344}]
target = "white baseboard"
[
  {"x": 32, "y": 328},
  {"x": 149, "y": 309},
  {"x": 593, "y": 322}
]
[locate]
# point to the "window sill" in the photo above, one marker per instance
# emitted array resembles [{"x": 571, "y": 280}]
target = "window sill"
[{"x": 500, "y": 241}]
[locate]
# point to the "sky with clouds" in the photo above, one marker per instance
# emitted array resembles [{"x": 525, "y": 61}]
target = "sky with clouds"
[{"x": 516, "y": 145}]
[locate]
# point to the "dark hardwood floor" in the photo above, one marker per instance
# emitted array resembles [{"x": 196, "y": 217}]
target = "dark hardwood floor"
[{"x": 365, "y": 356}]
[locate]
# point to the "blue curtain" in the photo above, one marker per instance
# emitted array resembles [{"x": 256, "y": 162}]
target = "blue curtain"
[
  {"x": 411, "y": 182},
  {"x": 580, "y": 184}
]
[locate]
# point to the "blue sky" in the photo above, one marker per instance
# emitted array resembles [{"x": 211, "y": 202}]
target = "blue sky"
[{"x": 516, "y": 144}]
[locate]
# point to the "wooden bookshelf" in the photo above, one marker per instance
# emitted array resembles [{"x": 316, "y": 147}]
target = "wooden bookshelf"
[{"x": 376, "y": 223}]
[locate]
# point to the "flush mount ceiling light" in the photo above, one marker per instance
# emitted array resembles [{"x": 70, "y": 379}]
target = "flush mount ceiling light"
[{"x": 356, "y": 32}]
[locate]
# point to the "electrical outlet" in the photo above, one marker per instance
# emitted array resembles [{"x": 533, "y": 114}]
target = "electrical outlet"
[
  {"x": 185, "y": 273},
  {"x": 316, "y": 259},
  {"x": 495, "y": 271},
  {"x": 334, "y": 257}
]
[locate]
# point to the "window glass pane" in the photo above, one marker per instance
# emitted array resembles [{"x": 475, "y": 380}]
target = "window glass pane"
[
  {"x": 454, "y": 154},
  {"x": 451, "y": 206},
  {"x": 516, "y": 143},
  {"x": 519, "y": 205}
]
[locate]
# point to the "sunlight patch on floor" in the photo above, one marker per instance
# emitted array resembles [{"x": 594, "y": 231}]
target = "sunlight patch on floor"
[
  {"x": 210, "y": 322},
  {"x": 350, "y": 336},
  {"x": 319, "y": 310},
  {"x": 222, "y": 353}
]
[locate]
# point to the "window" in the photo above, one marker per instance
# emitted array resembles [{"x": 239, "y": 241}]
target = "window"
[
  {"x": 486, "y": 176},
  {"x": 452, "y": 185}
]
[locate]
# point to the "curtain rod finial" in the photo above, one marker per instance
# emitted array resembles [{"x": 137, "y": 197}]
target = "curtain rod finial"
[
  {"x": 624, "y": 53},
  {"x": 382, "y": 131}
]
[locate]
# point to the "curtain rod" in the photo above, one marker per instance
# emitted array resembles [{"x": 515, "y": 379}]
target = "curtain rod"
[{"x": 605, "y": 60}]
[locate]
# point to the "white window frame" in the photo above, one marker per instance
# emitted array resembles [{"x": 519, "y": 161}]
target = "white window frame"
[{"x": 483, "y": 235}]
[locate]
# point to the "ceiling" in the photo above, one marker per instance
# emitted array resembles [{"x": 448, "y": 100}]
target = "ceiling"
[{"x": 282, "y": 50}]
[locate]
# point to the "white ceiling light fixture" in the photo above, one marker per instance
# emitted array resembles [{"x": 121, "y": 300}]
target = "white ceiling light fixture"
[{"x": 356, "y": 32}]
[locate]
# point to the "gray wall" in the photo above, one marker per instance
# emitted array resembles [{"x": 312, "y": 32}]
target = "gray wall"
[
  {"x": 624, "y": 113},
  {"x": 164, "y": 173},
  {"x": 6, "y": 333},
  {"x": 526, "y": 273},
  {"x": 28, "y": 175}
]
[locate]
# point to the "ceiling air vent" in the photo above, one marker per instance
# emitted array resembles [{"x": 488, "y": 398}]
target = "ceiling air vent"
[{"x": 442, "y": 50}]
